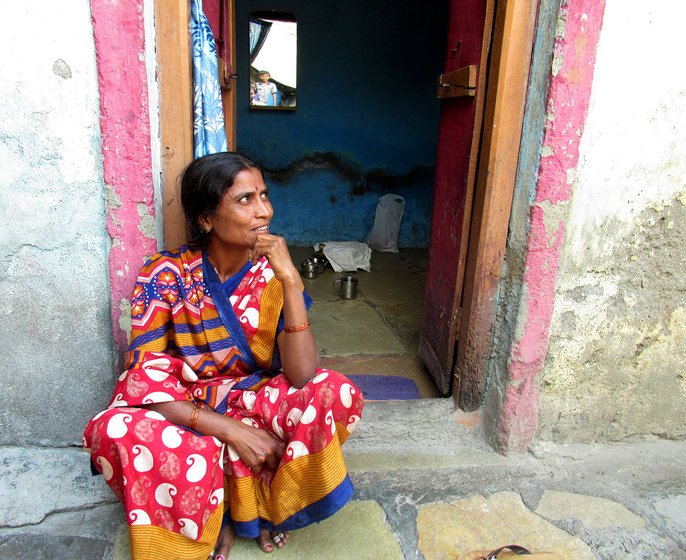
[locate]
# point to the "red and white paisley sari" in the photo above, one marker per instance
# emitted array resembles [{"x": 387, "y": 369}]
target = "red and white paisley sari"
[{"x": 194, "y": 338}]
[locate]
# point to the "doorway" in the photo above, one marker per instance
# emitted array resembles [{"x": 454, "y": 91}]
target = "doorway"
[
  {"x": 309, "y": 183},
  {"x": 374, "y": 338}
]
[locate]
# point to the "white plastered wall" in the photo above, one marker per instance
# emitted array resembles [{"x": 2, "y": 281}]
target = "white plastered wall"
[{"x": 615, "y": 366}]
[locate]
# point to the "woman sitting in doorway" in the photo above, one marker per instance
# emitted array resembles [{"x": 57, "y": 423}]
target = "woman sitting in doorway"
[{"x": 222, "y": 423}]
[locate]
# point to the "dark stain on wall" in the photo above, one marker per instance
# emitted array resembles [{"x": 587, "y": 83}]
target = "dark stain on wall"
[{"x": 373, "y": 180}]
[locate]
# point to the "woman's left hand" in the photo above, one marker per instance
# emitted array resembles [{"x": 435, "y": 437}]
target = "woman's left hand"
[
  {"x": 299, "y": 356},
  {"x": 275, "y": 249}
]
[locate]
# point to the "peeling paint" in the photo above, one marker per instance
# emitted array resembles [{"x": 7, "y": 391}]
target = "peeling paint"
[
  {"x": 112, "y": 200},
  {"x": 61, "y": 68},
  {"x": 554, "y": 217},
  {"x": 148, "y": 225},
  {"x": 125, "y": 124},
  {"x": 568, "y": 99},
  {"x": 125, "y": 316},
  {"x": 558, "y": 53}
]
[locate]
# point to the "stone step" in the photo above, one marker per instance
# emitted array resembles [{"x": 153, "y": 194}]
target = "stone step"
[{"x": 427, "y": 485}]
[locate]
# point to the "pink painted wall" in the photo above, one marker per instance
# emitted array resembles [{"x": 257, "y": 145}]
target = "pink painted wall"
[
  {"x": 568, "y": 98},
  {"x": 125, "y": 128}
]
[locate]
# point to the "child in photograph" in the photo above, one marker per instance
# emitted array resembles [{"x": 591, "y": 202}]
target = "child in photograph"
[{"x": 266, "y": 90}]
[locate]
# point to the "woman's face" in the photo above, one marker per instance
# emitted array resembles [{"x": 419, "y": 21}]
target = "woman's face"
[{"x": 244, "y": 212}]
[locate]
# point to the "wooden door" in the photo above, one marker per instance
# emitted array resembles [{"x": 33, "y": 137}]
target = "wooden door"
[
  {"x": 469, "y": 38},
  {"x": 508, "y": 76},
  {"x": 475, "y": 175}
]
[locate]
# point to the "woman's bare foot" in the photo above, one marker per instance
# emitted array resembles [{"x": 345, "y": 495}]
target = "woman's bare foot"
[
  {"x": 224, "y": 543},
  {"x": 266, "y": 541}
]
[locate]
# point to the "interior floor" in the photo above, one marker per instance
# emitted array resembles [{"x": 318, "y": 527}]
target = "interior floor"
[{"x": 377, "y": 333}]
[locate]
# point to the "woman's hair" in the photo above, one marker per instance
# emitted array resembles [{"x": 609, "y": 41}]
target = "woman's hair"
[{"x": 203, "y": 184}]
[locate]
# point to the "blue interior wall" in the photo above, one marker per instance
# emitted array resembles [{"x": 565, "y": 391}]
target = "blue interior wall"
[{"x": 366, "y": 120}]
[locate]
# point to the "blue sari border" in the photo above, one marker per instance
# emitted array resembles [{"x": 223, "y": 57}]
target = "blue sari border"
[
  {"x": 314, "y": 513},
  {"x": 220, "y": 294}
]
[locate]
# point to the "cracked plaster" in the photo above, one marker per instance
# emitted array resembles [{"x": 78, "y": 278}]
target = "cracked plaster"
[{"x": 618, "y": 337}]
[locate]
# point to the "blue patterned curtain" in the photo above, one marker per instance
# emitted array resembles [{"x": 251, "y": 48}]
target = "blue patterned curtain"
[{"x": 208, "y": 114}]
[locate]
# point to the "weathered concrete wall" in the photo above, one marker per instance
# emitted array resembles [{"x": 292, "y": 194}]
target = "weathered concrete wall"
[
  {"x": 55, "y": 322},
  {"x": 615, "y": 363}
]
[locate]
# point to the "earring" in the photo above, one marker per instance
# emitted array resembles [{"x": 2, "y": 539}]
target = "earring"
[{"x": 207, "y": 229}]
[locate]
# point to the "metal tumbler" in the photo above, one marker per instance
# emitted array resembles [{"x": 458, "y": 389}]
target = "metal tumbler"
[
  {"x": 309, "y": 269},
  {"x": 348, "y": 288}
]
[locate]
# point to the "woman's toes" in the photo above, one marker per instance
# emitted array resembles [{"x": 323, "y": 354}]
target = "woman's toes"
[
  {"x": 224, "y": 543},
  {"x": 264, "y": 541},
  {"x": 280, "y": 539}
]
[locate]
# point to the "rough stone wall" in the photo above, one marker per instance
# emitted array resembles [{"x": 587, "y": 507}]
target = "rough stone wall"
[
  {"x": 615, "y": 363},
  {"x": 55, "y": 322}
]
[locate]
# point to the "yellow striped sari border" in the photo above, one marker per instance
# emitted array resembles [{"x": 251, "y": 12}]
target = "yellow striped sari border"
[
  {"x": 292, "y": 488},
  {"x": 155, "y": 543},
  {"x": 271, "y": 303}
]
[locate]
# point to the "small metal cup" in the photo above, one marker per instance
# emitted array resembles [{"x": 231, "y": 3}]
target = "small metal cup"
[
  {"x": 309, "y": 269},
  {"x": 321, "y": 265},
  {"x": 348, "y": 289}
]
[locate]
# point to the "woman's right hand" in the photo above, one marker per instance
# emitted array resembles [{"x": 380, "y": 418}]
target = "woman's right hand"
[{"x": 255, "y": 447}]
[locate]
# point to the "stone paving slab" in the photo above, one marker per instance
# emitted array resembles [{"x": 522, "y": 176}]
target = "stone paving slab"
[
  {"x": 339, "y": 328},
  {"x": 387, "y": 262},
  {"x": 65, "y": 472},
  {"x": 30, "y": 547},
  {"x": 446, "y": 531},
  {"x": 322, "y": 289},
  {"x": 592, "y": 511},
  {"x": 393, "y": 287},
  {"x": 358, "y": 532},
  {"x": 404, "y": 319}
]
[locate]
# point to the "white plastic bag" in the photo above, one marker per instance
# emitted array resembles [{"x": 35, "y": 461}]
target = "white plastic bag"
[
  {"x": 347, "y": 255},
  {"x": 384, "y": 234}
]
